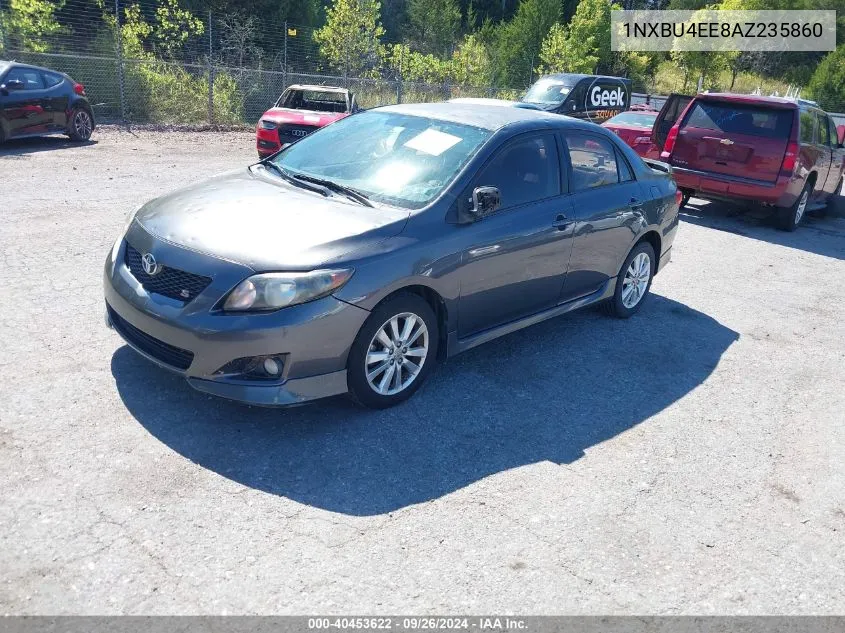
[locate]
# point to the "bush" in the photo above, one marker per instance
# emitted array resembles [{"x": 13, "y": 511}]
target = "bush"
[
  {"x": 166, "y": 93},
  {"x": 827, "y": 85}
]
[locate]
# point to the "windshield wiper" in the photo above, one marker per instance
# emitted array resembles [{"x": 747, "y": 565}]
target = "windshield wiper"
[
  {"x": 330, "y": 184},
  {"x": 295, "y": 180}
]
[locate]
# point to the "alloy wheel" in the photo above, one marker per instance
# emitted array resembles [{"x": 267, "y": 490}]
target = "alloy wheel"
[
  {"x": 396, "y": 354},
  {"x": 82, "y": 124},
  {"x": 636, "y": 280},
  {"x": 802, "y": 205}
]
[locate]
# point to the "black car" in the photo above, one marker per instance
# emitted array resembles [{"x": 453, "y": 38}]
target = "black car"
[
  {"x": 36, "y": 101},
  {"x": 595, "y": 98}
]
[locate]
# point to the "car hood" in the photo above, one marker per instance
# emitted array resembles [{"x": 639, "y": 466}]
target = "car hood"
[
  {"x": 302, "y": 117},
  {"x": 254, "y": 218}
]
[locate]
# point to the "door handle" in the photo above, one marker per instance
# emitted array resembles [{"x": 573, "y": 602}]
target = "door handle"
[{"x": 561, "y": 222}]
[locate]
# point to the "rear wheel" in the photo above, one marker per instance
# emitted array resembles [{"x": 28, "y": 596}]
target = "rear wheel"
[
  {"x": 790, "y": 217},
  {"x": 633, "y": 282},
  {"x": 393, "y": 353},
  {"x": 685, "y": 196},
  {"x": 81, "y": 125}
]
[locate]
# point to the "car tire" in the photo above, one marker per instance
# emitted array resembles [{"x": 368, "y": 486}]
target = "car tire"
[
  {"x": 633, "y": 282},
  {"x": 81, "y": 125},
  {"x": 685, "y": 196},
  {"x": 788, "y": 218},
  {"x": 380, "y": 371}
]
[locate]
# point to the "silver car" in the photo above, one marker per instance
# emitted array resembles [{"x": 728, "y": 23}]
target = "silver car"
[{"x": 356, "y": 258}]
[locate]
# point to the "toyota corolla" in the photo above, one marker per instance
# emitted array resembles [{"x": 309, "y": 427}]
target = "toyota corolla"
[{"x": 355, "y": 259}]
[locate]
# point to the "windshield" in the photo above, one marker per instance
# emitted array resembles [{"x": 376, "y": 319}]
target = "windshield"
[
  {"x": 548, "y": 91},
  {"x": 639, "y": 119},
  {"x": 315, "y": 100},
  {"x": 392, "y": 158}
]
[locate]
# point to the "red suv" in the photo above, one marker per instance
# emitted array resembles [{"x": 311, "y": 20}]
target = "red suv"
[{"x": 783, "y": 153}]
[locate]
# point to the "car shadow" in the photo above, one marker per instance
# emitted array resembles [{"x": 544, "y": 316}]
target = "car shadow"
[
  {"x": 548, "y": 392},
  {"x": 33, "y": 144},
  {"x": 820, "y": 235}
]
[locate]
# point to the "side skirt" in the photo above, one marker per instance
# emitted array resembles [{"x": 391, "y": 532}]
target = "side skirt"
[{"x": 456, "y": 345}]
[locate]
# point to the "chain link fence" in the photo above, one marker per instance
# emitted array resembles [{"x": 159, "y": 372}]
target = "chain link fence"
[{"x": 139, "y": 65}]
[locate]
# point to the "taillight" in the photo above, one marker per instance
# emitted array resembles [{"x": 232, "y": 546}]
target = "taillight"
[
  {"x": 669, "y": 145},
  {"x": 79, "y": 89},
  {"x": 791, "y": 157},
  {"x": 678, "y": 197}
]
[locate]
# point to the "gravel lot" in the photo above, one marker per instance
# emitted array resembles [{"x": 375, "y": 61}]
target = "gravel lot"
[{"x": 687, "y": 461}]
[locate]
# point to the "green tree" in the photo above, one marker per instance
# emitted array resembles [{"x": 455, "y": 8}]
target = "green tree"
[
  {"x": 827, "y": 85},
  {"x": 562, "y": 53},
  {"x": 584, "y": 46},
  {"x": 173, "y": 27},
  {"x": 519, "y": 41},
  {"x": 471, "y": 63},
  {"x": 350, "y": 41},
  {"x": 434, "y": 25},
  {"x": 28, "y": 25}
]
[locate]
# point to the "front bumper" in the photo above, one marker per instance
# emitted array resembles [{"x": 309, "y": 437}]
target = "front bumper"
[{"x": 313, "y": 338}]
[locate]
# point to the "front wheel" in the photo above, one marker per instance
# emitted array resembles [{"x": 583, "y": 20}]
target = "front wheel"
[
  {"x": 393, "y": 353},
  {"x": 81, "y": 125},
  {"x": 633, "y": 282}
]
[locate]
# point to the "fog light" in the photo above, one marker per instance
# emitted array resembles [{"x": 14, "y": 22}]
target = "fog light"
[{"x": 271, "y": 366}]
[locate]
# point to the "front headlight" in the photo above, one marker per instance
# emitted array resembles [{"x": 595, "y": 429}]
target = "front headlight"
[
  {"x": 271, "y": 291},
  {"x": 267, "y": 125}
]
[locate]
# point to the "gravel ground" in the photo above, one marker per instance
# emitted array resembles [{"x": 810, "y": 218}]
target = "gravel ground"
[{"x": 687, "y": 461}]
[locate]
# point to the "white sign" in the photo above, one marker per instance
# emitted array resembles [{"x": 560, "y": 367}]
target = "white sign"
[{"x": 604, "y": 97}]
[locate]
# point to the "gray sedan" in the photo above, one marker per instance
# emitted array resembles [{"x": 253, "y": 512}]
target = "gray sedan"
[{"x": 355, "y": 259}]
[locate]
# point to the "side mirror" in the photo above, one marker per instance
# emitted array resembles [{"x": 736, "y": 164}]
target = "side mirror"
[{"x": 485, "y": 201}]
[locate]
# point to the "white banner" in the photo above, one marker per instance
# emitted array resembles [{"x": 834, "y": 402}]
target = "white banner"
[{"x": 714, "y": 30}]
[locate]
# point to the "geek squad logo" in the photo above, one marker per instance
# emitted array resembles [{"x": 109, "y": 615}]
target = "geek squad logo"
[{"x": 605, "y": 99}]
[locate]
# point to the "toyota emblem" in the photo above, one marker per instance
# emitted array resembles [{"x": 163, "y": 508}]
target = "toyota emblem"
[{"x": 150, "y": 265}]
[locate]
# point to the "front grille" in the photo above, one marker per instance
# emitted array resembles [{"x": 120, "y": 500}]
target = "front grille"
[
  {"x": 289, "y": 132},
  {"x": 167, "y": 354},
  {"x": 170, "y": 282}
]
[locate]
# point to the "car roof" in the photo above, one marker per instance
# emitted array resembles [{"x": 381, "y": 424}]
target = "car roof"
[
  {"x": 4, "y": 64},
  {"x": 732, "y": 97},
  {"x": 482, "y": 115},
  {"x": 579, "y": 76},
  {"x": 318, "y": 88}
]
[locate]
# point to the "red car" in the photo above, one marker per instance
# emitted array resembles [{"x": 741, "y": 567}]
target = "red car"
[
  {"x": 784, "y": 153},
  {"x": 634, "y": 127},
  {"x": 298, "y": 112}
]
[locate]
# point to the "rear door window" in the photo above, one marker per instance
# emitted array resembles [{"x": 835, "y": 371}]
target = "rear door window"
[
  {"x": 748, "y": 120},
  {"x": 593, "y": 161},
  {"x": 808, "y": 127},
  {"x": 822, "y": 134},
  {"x": 51, "y": 79}
]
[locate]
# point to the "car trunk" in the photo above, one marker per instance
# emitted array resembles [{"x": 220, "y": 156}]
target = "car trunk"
[{"x": 745, "y": 140}]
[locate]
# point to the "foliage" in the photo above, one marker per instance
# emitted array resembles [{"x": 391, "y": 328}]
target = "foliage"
[
  {"x": 827, "y": 85},
  {"x": 434, "y": 25},
  {"x": 28, "y": 24},
  {"x": 471, "y": 62},
  {"x": 519, "y": 41},
  {"x": 584, "y": 46},
  {"x": 174, "y": 26},
  {"x": 351, "y": 39}
]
